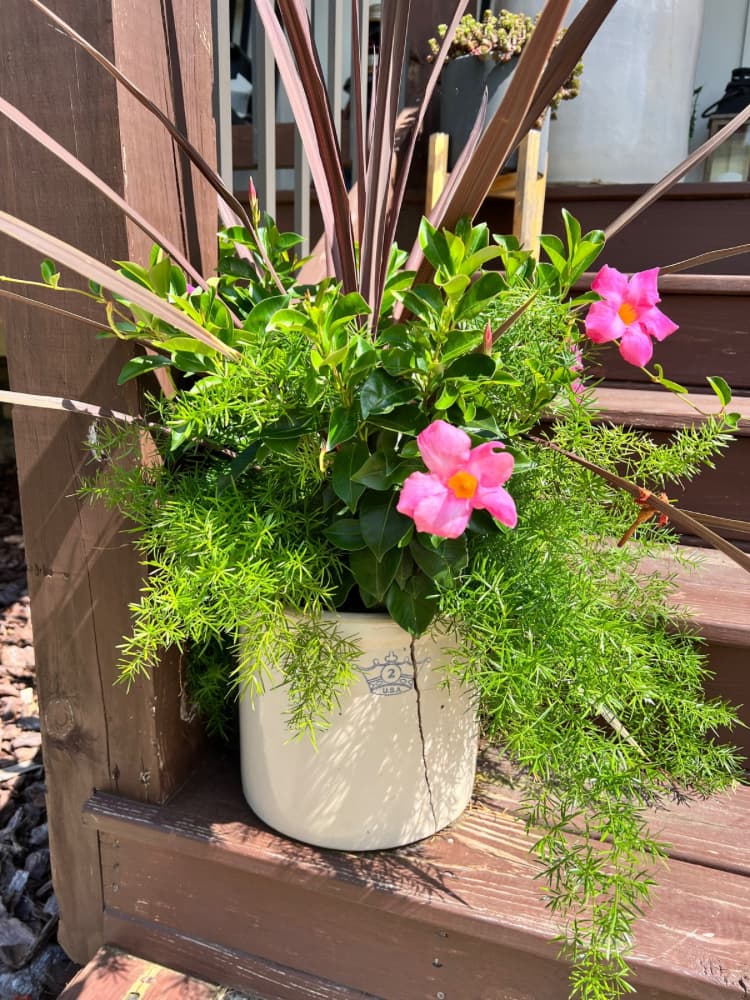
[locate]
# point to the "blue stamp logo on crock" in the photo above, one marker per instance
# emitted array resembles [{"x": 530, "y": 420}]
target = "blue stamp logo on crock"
[{"x": 390, "y": 676}]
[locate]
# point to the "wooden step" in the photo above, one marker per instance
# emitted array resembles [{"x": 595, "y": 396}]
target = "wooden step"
[
  {"x": 204, "y": 885},
  {"x": 723, "y": 491},
  {"x": 114, "y": 974},
  {"x": 201, "y": 884}
]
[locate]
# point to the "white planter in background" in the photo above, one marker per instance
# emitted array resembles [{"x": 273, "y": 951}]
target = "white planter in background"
[
  {"x": 630, "y": 122},
  {"x": 372, "y": 783}
]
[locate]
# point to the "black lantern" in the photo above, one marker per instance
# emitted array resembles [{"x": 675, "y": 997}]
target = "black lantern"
[{"x": 731, "y": 161}]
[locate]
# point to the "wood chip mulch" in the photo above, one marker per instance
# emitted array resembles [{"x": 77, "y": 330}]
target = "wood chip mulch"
[{"x": 32, "y": 964}]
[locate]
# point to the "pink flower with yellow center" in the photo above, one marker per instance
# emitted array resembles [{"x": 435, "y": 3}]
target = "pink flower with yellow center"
[
  {"x": 628, "y": 313},
  {"x": 461, "y": 479}
]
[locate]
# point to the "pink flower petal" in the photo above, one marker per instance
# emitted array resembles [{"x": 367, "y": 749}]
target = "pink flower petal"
[
  {"x": 657, "y": 324},
  {"x": 612, "y": 285},
  {"x": 433, "y": 507},
  {"x": 636, "y": 347},
  {"x": 446, "y": 517},
  {"x": 443, "y": 448},
  {"x": 489, "y": 464},
  {"x": 602, "y": 323},
  {"x": 642, "y": 289},
  {"x": 418, "y": 487},
  {"x": 498, "y": 502}
]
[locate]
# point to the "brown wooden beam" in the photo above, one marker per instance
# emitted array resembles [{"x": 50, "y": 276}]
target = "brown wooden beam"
[{"x": 82, "y": 569}]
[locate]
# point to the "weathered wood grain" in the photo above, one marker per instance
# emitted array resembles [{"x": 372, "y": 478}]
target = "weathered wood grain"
[
  {"x": 82, "y": 571},
  {"x": 232, "y": 968},
  {"x": 113, "y": 974},
  {"x": 468, "y": 898}
]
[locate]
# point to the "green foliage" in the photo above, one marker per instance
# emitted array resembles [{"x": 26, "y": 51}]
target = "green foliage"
[
  {"x": 274, "y": 503},
  {"x": 499, "y": 37}
]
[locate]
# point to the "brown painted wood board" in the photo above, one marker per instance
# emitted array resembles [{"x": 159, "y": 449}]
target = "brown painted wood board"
[
  {"x": 475, "y": 881},
  {"x": 713, "y": 591},
  {"x": 236, "y": 969},
  {"x": 114, "y": 974},
  {"x": 688, "y": 220},
  {"x": 659, "y": 409},
  {"x": 82, "y": 570}
]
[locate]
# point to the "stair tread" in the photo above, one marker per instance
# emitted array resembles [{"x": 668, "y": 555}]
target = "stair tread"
[
  {"x": 113, "y": 974},
  {"x": 476, "y": 878},
  {"x": 659, "y": 409}
]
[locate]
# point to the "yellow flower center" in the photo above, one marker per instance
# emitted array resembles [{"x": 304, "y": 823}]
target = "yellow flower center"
[
  {"x": 627, "y": 313},
  {"x": 463, "y": 484}
]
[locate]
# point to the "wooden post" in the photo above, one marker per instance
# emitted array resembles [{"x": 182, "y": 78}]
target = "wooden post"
[
  {"x": 528, "y": 208},
  {"x": 82, "y": 569}
]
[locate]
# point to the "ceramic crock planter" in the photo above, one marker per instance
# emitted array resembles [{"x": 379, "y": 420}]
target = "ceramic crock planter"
[
  {"x": 396, "y": 764},
  {"x": 630, "y": 123},
  {"x": 462, "y": 84}
]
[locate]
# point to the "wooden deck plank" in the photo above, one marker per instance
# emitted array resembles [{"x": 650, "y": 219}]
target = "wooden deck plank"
[
  {"x": 474, "y": 882},
  {"x": 113, "y": 974},
  {"x": 658, "y": 409},
  {"x": 712, "y": 591}
]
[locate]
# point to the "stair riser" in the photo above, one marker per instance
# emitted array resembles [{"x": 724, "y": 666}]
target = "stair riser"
[
  {"x": 391, "y": 955},
  {"x": 731, "y": 668}
]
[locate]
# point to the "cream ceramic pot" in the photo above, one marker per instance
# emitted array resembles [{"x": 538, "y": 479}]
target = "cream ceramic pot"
[{"x": 396, "y": 765}]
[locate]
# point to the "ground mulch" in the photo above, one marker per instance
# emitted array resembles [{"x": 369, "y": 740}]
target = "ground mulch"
[{"x": 32, "y": 964}]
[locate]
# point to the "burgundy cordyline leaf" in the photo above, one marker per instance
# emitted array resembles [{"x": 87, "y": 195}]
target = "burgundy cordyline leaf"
[
  {"x": 503, "y": 132},
  {"x": 704, "y": 258},
  {"x": 417, "y": 260},
  {"x": 566, "y": 56},
  {"x": 40, "y": 136},
  {"x": 304, "y": 87},
  {"x": 405, "y": 161},
  {"x": 358, "y": 111},
  {"x": 93, "y": 269},
  {"x": 48, "y": 307},
  {"x": 394, "y": 26}
]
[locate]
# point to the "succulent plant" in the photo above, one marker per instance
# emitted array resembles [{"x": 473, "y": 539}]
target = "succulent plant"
[{"x": 499, "y": 37}]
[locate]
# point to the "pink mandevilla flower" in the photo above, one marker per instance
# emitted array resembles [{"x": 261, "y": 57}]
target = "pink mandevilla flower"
[
  {"x": 461, "y": 479},
  {"x": 628, "y": 313}
]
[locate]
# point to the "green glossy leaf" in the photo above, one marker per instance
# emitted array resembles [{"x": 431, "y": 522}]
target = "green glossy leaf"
[
  {"x": 456, "y": 285},
  {"x": 471, "y": 366},
  {"x": 484, "y": 289},
  {"x": 50, "y": 274},
  {"x": 374, "y": 472},
  {"x": 721, "y": 387},
  {"x": 382, "y": 525},
  {"x": 343, "y": 425},
  {"x": 407, "y": 419},
  {"x": 381, "y": 393},
  {"x": 398, "y": 360},
  {"x": 446, "y": 399},
  {"x": 414, "y": 606},
  {"x": 425, "y": 301},
  {"x": 461, "y": 342},
  {"x": 349, "y": 458},
  {"x": 288, "y": 429},
  {"x": 435, "y": 247},
  {"x": 479, "y": 259},
  {"x": 555, "y": 250},
  {"x": 572, "y": 231},
  {"x": 160, "y": 276},
  {"x": 346, "y": 533},
  {"x": 261, "y": 314},
  {"x": 140, "y": 365},
  {"x": 375, "y": 576}
]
